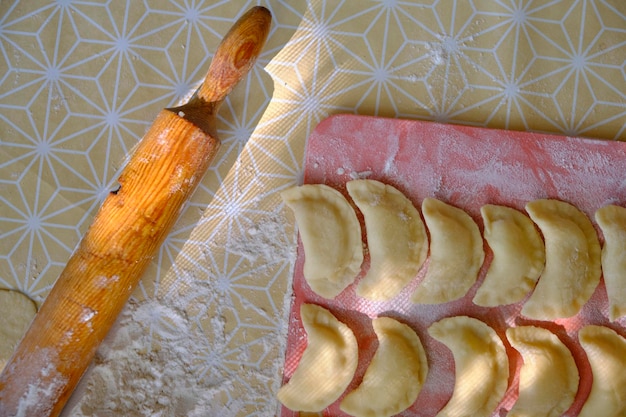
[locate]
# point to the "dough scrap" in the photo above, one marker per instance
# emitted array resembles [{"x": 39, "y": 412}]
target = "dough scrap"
[
  {"x": 395, "y": 375},
  {"x": 331, "y": 236},
  {"x": 573, "y": 267},
  {"x": 612, "y": 222},
  {"x": 17, "y": 311},
  {"x": 327, "y": 365},
  {"x": 606, "y": 351},
  {"x": 549, "y": 376},
  {"x": 481, "y": 366},
  {"x": 518, "y": 256},
  {"x": 396, "y": 238},
  {"x": 456, "y": 253}
]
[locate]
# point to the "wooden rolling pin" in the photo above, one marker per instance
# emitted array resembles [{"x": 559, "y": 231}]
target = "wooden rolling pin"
[{"x": 101, "y": 274}]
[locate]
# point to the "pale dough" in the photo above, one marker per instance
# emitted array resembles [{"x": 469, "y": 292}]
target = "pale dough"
[
  {"x": 327, "y": 365},
  {"x": 481, "y": 366},
  {"x": 395, "y": 375},
  {"x": 17, "y": 311},
  {"x": 612, "y": 221},
  {"x": 572, "y": 271},
  {"x": 518, "y": 256},
  {"x": 331, "y": 236},
  {"x": 549, "y": 377},
  {"x": 396, "y": 238},
  {"x": 456, "y": 253},
  {"x": 606, "y": 351}
]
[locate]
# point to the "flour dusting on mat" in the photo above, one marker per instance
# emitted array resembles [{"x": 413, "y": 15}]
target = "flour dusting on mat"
[
  {"x": 130, "y": 377},
  {"x": 135, "y": 375},
  {"x": 175, "y": 355},
  {"x": 265, "y": 239}
]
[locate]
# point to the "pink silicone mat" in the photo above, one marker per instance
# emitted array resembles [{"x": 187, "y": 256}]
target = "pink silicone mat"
[{"x": 466, "y": 167}]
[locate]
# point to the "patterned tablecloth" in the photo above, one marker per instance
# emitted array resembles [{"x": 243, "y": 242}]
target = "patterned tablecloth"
[{"x": 80, "y": 81}]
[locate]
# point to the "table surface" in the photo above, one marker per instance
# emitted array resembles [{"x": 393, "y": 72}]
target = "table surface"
[{"x": 81, "y": 81}]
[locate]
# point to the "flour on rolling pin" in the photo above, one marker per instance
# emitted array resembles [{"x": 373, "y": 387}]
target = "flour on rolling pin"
[{"x": 468, "y": 168}]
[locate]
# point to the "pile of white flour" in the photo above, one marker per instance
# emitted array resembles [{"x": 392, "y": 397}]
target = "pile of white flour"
[
  {"x": 129, "y": 378},
  {"x": 156, "y": 360}
]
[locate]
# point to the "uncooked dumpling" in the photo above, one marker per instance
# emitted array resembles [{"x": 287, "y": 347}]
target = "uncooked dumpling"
[
  {"x": 518, "y": 256},
  {"x": 481, "y": 366},
  {"x": 606, "y": 351},
  {"x": 327, "y": 365},
  {"x": 548, "y": 378},
  {"x": 331, "y": 236},
  {"x": 16, "y": 312},
  {"x": 573, "y": 267},
  {"x": 612, "y": 221},
  {"x": 395, "y": 375},
  {"x": 456, "y": 253},
  {"x": 396, "y": 238}
]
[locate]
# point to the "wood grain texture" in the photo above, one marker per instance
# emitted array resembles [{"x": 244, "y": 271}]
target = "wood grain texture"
[
  {"x": 104, "y": 270},
  {"x": 98, "y": 279},
  {"x": 236, "y": 54}
]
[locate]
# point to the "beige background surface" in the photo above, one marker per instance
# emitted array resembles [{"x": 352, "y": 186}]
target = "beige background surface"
[{"x": 81, "y": 81}]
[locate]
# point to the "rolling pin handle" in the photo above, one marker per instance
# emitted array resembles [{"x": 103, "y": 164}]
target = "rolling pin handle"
[{"x": 236, "y": 54}]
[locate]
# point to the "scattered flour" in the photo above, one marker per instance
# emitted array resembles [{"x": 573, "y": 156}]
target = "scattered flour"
[
  {"x": 360, "y": 175},
  {"x": 131, "y": 377},
  {"x": 159, "y": 360},
  {"x": 135, "y": 374},
  {"x": 266, "y": 239}
]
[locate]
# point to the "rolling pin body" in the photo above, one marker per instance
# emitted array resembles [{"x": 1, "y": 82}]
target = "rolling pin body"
[{"x": 133, "y": 221}]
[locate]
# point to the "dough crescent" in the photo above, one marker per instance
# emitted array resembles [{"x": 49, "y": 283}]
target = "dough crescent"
[
  {"x": 395, "y": 375},
  {"x": 396, "y": 238},
  {"x": 573, "y": 267},
  {"x": 331, "y": 237},
  {"x": 606, "y": 351},
  {"x": 549, "y": 376},
  {"x": 518, "y": 256},
  {"x": 481, "y": 366},
  {"x": 612, "y": 222},
  {"x": 456, "y": 254},
  {"x": 327, "y": 365}
]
